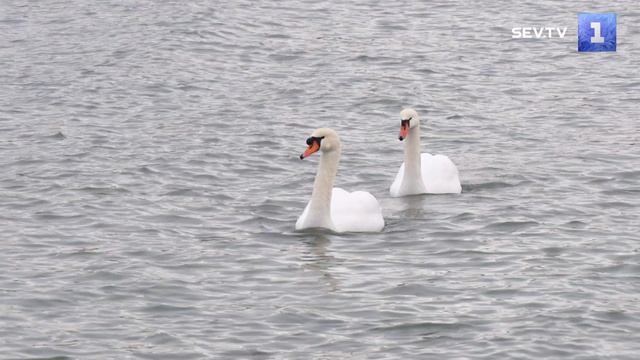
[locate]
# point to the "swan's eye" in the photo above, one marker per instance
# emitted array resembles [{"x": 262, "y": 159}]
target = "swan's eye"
[
  {"x": 314, "y": 139},
  {"x": 406, "y": 122}
]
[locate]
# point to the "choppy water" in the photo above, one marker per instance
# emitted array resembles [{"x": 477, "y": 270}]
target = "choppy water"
[{"x": 150, "y": 181}]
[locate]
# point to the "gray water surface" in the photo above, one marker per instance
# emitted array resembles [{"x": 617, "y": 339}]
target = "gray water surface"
[{"x": 150, "y": 181}]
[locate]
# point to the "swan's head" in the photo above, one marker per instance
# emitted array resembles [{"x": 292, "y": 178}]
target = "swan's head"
[
  {"x": 323, "y": 139},
  {"x": 408, "y": 120}
]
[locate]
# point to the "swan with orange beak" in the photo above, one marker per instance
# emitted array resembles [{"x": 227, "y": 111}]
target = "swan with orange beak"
[
  {"x": 422, "y": 173},
  {"x": 332, "y": 208}
]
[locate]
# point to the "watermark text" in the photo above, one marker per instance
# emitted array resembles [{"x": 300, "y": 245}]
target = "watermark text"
[{"x": 532, "y": 32}]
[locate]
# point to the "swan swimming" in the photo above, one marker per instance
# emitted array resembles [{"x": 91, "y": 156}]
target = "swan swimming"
[
  {"x": 334, "y": 208},
  {"x": 422, "y": 173}
]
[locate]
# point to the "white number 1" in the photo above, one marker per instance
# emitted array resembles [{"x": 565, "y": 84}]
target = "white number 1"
[{"x": 597, "y": 38}]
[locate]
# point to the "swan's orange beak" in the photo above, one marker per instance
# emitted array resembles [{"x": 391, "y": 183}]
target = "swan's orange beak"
[
  {"x": 404, "y": 130},
  {"x": 313, "y": 147}
]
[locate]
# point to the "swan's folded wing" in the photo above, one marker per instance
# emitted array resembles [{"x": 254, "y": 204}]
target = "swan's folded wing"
[
  {"x": 300, "y": 223},
  {"x": 395, "y": 186},
  {"x": 358, "y": 211},
  {"x": 440, "y": 174}
]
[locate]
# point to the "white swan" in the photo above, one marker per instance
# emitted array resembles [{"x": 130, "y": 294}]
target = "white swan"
[
  {"x": 333, "y": 208},
  {"x": 426, "y": 173}
]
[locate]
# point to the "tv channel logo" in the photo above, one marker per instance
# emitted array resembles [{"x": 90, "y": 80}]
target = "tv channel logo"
[{"x": 596, "y": 32}]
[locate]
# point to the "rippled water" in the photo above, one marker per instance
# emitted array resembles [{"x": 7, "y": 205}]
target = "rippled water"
[{"x": 150, "y": 181}]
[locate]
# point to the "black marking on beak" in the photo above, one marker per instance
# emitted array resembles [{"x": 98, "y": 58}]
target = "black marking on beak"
[
  {"x": 405, "y": 124},
  {"x": 312, "y": 139}
]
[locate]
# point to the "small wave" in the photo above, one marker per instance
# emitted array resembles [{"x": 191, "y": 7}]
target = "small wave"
[
  {"x": 164, "y": 219},
  {"x": 511, "y": 225},
  {"x": 553, "y": 251},
  {"x": 629, "y": 269},
  {"x": 615, "y": 205},
  {"x": 422, "y": 326},
  {"x": 183, "y": 192},
  {"x": 427, "y": 71},
  {"x": 165, "y": 308},
  {"x": 52, "y": 216},
  {"x": 621, "y": 192},
  {"x": 463, "y": 216},
  {"x": 634, "y": 174},
  {"x": 103, "y": 190},
  {"x": 57, "y": 136},
  {"x": 487, "y": 185},
  {"x": 575, "y": 224}
]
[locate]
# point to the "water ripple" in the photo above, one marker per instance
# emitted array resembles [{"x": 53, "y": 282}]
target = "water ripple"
[{"x": 151, "y": 184}]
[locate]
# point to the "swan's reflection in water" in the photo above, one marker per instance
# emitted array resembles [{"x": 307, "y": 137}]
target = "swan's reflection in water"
[
  {"x": 319, "y": 259},
  {"x": 408, "y": 207}
]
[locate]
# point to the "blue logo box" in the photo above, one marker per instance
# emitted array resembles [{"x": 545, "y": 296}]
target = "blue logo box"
[{"x": 596, "y": 32}]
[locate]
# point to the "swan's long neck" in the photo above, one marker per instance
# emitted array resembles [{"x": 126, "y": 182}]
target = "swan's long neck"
[
  {"x": 412, "y": 157},
  {"x": 320, "y": 204}
]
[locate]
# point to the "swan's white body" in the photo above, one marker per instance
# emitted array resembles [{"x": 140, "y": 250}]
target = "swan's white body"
[
  {"x": 334, "y": 208},
  {"x": 423, "y": 173},
  {"x": 357, "y": 211},
  {"x": 439, "y": 176}
]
